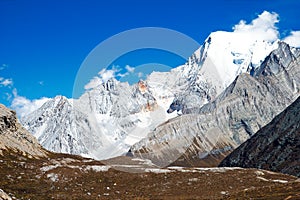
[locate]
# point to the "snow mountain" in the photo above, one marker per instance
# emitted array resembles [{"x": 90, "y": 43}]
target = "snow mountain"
[
  {"x": 111, "y": 117},
  {"x": 205, "y": 135},
  {"x": 215, "y": 65}
]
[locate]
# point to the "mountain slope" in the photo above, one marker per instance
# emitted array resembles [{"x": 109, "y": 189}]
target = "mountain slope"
[
  {"x": 104, "y": 122},
  {"x": 209, "y": 133},
  {"x": 61, "y": 128},
  {"x": 14, "y": 138},
  {"x": 216, "y": 64},
  {"x": 109, "y": 118},
  {"x": 275, "y": 147}
]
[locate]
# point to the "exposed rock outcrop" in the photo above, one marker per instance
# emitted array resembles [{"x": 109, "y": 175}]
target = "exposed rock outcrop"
[
  {"x": 13, "y": 137},
  {"x": 4, "y": 196},
  {"x": 275, "y": 147}
]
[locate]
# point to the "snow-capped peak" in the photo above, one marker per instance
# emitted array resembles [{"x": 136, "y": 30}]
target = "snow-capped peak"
[
  {"x": 233, "y": 53},
  {"x": 112, "y": 115},
  {"x": 222, "y": 57}
]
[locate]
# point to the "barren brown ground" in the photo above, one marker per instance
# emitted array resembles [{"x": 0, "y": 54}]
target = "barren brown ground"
[{"x": 72, "y": 177}]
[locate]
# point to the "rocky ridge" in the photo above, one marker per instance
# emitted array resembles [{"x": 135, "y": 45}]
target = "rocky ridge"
[
  {"x": 275, "y": 147},
  {"x": 13, "y": 137},
  {"x": 205, "y": 135}
]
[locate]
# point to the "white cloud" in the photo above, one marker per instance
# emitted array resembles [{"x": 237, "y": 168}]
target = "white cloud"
[
  {"x": 140, "y": 74},
  {"x": 3, "y": 66},
  {"x": 8, "y": 96},
  {"x": 129, "y": 69},
  {"x": 95, "y": 82},
  {"x": 123, "y": 75},
  {"x": 24, "y": 106},
  {"x": 263, "y": 27},
  {"x": 6, "y": 82},
  {"x": 105, "y": 74},
  {"x": 293, "y": 39}
]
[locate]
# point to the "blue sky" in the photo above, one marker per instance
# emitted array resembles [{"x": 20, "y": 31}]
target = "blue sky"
[{"x": 43, "y": 43}]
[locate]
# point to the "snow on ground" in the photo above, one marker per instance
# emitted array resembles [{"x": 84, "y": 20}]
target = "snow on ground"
[
  {"x": 53, "y": 177},
  {"x": 280, "y": 181},
  {"x": 276, "y": 181},
  {"x": 97, "y": 168},
  {"x": 144, "y": 161},
  {"x": 158, "y": 171}
]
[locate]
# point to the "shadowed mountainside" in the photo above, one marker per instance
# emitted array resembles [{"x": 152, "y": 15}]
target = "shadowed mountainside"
[{"x": 275, "y": 147}]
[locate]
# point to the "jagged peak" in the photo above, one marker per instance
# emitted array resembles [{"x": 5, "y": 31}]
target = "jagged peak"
[
  {"x": 277, "y": 60},
  {"x": 58, "y": 100}
]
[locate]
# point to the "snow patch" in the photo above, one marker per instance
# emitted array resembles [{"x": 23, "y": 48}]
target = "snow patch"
[
  {"x": 259, "y": 173},
  {"x": 97, "y": 168},
  {"x": 157, "y": 171},
  {"x": 280, "y": 181},
  {"x": 53, "y": 177},
  {"x": 262, "y": 178}
]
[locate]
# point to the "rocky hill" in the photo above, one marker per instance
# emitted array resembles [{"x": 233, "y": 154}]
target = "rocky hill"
[
  {"x": 275, "y": 147},
  {"x": 15, "y": 138}
]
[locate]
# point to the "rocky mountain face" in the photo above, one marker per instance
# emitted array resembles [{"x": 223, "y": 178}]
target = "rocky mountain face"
[
  {"x": 63, "y": 137},
  {"x": 104, "y": 122},
  {"x": 15, "y": 138},
  {"x": 205, "y": 135},
  {"x": 275, "y": 147},
  {"x": 215, "y": 65},
  {"x": 112, "y": 116}
]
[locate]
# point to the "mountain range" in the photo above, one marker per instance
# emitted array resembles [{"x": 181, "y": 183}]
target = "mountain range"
[
  {"x": 235, "y": 103},
  {"x": 205, "y": 135},
  {"x": 107, "y": 120}
]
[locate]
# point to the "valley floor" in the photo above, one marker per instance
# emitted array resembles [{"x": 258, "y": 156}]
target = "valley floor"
[{"x": 71, "y": 177}]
